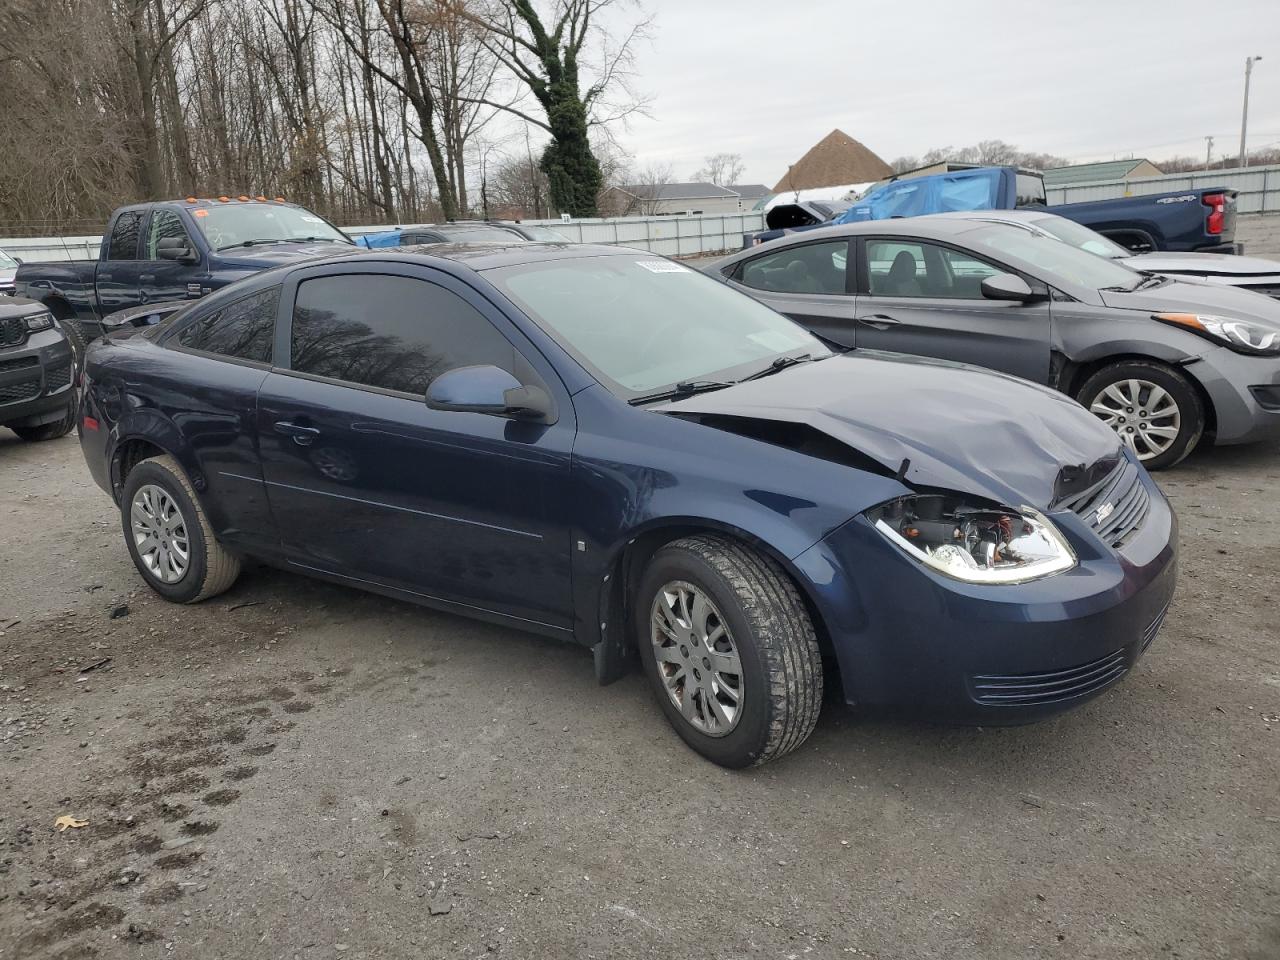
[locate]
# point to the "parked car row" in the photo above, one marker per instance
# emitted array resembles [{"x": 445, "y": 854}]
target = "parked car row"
[{"x": 462, "y": 231}]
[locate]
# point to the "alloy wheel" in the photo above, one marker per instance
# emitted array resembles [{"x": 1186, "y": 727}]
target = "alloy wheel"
[
  {"x": 1143, "y": 413},
  {"x": 160, "y": 533},
  {"x": 698, "y": 661}
]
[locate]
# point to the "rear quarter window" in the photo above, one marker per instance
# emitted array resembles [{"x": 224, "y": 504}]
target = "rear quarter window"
[{"x": 242, "y": 330}]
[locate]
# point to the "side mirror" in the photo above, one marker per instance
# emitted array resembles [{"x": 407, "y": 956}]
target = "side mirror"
[
  {"x": 490, "y": 390},
  {"x": 1008, "y": 286},
  {"x": 175, "y": 248}
]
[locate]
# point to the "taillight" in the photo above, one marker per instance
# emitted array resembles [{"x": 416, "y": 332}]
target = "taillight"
[{"x": 1217, "y": 204}]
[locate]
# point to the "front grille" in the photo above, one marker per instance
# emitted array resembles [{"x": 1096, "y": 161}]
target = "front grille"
[
  {"x": 57, "y": 378},
  {"x": 1124, "y": 493},
  {"x": 25, "y": 390},
  {"x": 13, "y": 331},
  {"x": 1036, "y": 688},
  {"x": 18, "y": 363}
]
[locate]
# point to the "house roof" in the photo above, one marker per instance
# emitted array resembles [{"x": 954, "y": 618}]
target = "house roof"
[
  {"x": 749, "y": 191},
  {"x": 834, "y": 160},
  {"x": 676, "y": 191},
  {"x": 1089, "y": 172}
]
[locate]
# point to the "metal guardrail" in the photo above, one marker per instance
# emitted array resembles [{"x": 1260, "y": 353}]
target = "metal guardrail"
[
  {"x": 1258, "y": 187},
  {"x": 673, "y": 236}
]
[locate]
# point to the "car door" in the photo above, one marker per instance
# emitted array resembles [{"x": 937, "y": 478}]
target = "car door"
[
  {"x": 117, "y": 278},
  {"x": 809, "y": 282},
  {"x": 368, "y": 483},
  {"x": 225, "y": 350},
  {"x": 160, "y": 279},
  {"x": 926, "y": 298}
]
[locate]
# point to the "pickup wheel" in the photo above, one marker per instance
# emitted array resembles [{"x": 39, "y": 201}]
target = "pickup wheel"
[
  {"x": 169, "y": 537},
  {"x": 1154, "y": 408},
  {"x": 730, "y": 650}
]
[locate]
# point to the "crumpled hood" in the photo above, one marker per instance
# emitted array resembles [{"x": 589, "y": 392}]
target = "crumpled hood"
[
  {"x": 962, "y": 428},
  {"x": 278, "y": 254},
  {"x": 1224, "y": 265},
  {"x": 1212, "y": 299}
]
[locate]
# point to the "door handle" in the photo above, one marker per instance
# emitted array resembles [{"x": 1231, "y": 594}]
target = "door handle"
[
  {"x": 146, "y": 277},
  {"x": 878, "y": 320},
  {"x": 302, "y": 436}
]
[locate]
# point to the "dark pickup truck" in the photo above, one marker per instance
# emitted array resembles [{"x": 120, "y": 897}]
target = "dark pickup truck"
[
  {"x": 1200, "y": 220},
  {"x": 175, "y": 250}
]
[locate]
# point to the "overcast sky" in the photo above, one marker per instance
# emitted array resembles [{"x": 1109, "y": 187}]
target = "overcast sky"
[{"x": 1087, "y": 80}]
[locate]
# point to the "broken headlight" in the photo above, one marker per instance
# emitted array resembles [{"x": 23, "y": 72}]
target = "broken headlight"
[{"x": 974, "y": 543}]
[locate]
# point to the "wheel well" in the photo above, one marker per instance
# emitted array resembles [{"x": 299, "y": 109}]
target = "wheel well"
[
  {"x": 60, "y": 308},
  {"x": 1081, "y": 373},
  {"x": 127, "y": 456},
  {"x": 628, "y": 568},
  {"x": 1132, "y": 238}
]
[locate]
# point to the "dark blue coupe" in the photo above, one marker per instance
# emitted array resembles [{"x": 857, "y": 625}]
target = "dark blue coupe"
[{"x": 602, "y": 445}]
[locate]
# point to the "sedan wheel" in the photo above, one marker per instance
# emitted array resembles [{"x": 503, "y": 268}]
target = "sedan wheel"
[
  {"x": 160, "y": 534},
  {"x": 1143, "y": 413},
  {"x": 1153, "y": 408},
  {"x": 697, "y": 659}
]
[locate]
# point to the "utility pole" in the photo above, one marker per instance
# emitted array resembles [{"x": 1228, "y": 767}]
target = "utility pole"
[
  {"x": 1244, "y": 115},
  {"x": 1208, "y": 152}
]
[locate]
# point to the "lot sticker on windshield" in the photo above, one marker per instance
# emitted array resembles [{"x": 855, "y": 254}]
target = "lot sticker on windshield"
[
  {"x": 312, "y": 219},
  {"x": 662, "y": 266}
]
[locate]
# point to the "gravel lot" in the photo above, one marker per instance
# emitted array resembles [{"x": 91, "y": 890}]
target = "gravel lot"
[{"x": 299, "y": 770}]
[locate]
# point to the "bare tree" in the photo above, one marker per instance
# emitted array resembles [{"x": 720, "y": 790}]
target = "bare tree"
[{"x": 722, "y": 169}]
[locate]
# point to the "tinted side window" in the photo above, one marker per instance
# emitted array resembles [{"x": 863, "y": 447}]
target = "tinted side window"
[
  {"x": 811, "y": 268},
  {"x": 243, "y": 329},
  {"x": 124, "y": 237},
  {"x": 164, "y": 223},
  {"x": 910, "y": 269},
  {"x": 395, "y": 333}
]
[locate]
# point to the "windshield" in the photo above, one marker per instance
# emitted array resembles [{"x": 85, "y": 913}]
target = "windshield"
[
  {"x": 642, "y": 324},
  {"x": 7, "y": 262},
  {"x": 233, "y": 224},
  {"x": 480, "y": 235},
  {"x": 1068, "y": 231},
  {"x": 544, "y": 234},
  {"x": 1057, "y": 261}
]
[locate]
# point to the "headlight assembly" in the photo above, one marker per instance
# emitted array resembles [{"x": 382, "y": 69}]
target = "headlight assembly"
[
  {"x": 1240, "y": 335},
  {"x": 976, "y": 544},
  {"x": 41, "y": 321}
]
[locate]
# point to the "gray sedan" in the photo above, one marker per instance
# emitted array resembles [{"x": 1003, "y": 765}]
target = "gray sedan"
[{"x": 1163, "y": 361}]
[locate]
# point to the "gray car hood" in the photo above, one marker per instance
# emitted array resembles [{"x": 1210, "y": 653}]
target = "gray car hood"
[
  {"x": 962, "y": 428},
  {"x": 1188, "y": 296},
  {"x": 1224, "y": 266}
]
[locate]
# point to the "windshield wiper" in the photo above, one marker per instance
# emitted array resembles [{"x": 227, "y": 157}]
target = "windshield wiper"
[
  {"x": 781, "y": 363},
  {"x": 247, "y": 243},
  {"x": 316, "y": 239},
  {"x": 1151, "y": 280},
  {"x": 685, "y": 388}
]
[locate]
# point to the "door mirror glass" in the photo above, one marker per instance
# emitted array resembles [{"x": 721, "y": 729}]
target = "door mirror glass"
[
  {"x": 1007, "y": 286},
  {"x": 489, "y": 390},
  {"x": 175, "y": 248}
]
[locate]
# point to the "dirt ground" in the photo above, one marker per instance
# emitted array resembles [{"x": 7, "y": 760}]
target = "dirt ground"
[{"x": 300, "y": 770}]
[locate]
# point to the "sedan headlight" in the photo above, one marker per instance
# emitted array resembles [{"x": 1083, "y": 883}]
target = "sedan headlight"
[
  {"x": 41, "y": 321},
  {"x": 976, "y": 544},
  {"x": 1240, "y": 335}
]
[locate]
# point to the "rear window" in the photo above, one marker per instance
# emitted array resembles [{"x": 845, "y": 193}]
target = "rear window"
[{"x": 124, "y": 237}]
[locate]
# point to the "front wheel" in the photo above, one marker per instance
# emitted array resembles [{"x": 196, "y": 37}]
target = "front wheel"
[
  {"x": 169, "y": 537},
  {"x": 1154, "y": 409},
  {"x": 730, "y": 650},
  {"x": 49, "y": 431}
]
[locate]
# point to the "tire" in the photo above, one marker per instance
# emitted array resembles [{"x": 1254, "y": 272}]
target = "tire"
[
  {"x": 779, "y": 683},
  {"x": 208, "y": 569},
  {"x": 1179, "y": 407},
  {"x": 76, "y": 338},
  {"x": 49, "y": 431}
]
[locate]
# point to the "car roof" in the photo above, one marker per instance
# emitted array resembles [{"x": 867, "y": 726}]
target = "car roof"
[{"x": 487, "y": 256}]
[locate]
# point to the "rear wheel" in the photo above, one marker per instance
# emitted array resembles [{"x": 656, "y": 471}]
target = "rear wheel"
[
  {"x": 730, "y": 650},
  {"x": 1154, "y": 409},
  {"x": 169, "y": 537}
]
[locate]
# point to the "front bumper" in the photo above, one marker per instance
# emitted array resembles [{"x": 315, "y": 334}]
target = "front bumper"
[
  {"x": 1242, "y": 414},
  {"x": 36, "y": 380},
  {"x": 910, "y": 640}
]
